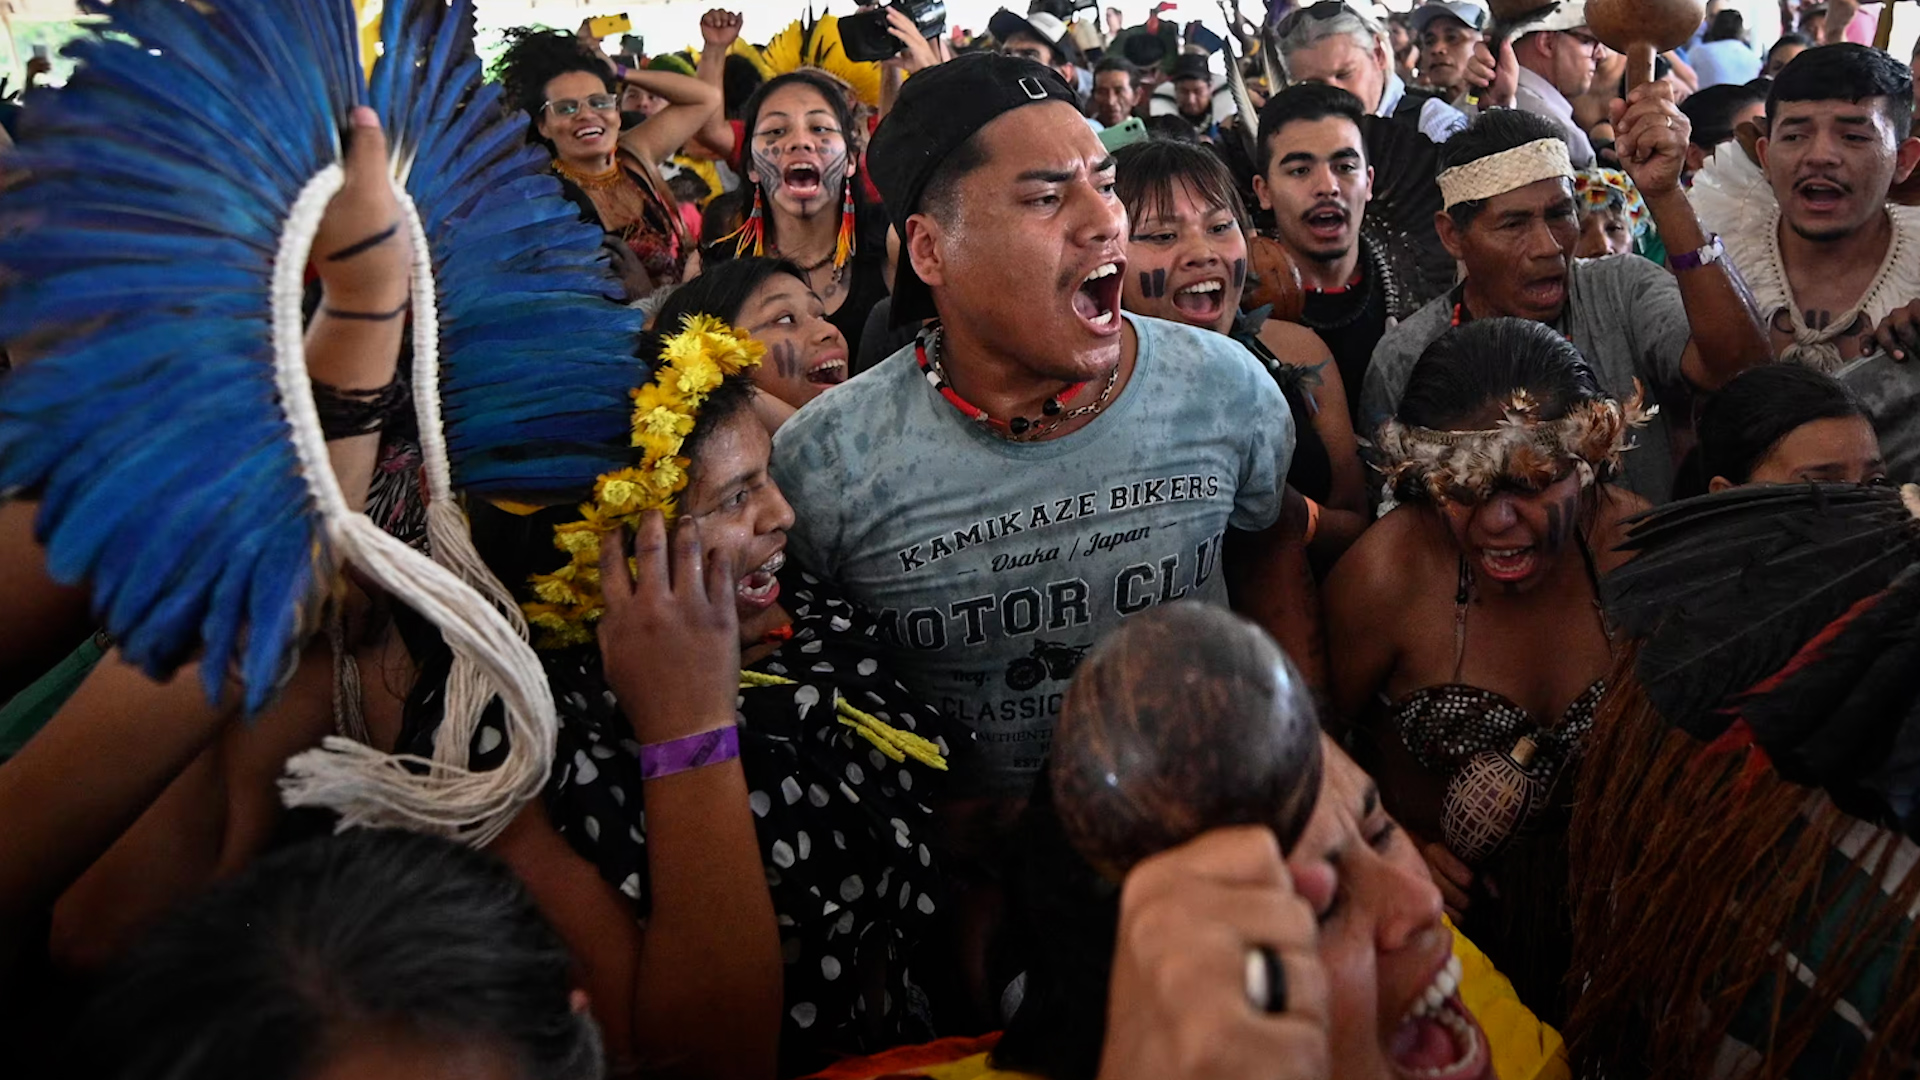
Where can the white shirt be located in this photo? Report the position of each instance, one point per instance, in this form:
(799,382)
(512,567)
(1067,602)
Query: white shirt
(1540,97)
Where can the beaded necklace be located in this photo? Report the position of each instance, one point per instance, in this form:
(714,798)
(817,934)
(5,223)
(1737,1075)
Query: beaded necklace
(1019,429)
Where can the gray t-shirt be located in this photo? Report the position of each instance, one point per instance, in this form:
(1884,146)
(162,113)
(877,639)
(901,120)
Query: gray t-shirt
(1623,313)
(992,566)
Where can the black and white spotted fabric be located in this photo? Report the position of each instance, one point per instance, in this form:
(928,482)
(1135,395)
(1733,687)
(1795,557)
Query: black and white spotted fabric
(843,830)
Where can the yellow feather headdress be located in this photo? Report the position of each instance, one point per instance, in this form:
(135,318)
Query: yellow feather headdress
(693,364)
(818,45)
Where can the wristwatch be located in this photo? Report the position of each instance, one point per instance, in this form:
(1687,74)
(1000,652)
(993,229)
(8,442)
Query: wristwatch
(1714,252)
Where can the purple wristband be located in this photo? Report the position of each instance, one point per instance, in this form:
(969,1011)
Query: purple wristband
(680,755)
(620,72)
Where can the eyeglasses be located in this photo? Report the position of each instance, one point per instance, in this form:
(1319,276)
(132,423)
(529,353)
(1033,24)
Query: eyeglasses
(1320,12)
(1586,41)
(566,108)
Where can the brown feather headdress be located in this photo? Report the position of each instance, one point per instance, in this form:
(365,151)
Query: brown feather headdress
(1466,466)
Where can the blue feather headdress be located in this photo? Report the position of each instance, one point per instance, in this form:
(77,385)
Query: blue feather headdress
(164,420)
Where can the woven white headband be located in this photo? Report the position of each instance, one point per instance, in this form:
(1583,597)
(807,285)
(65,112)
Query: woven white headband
(1508,170)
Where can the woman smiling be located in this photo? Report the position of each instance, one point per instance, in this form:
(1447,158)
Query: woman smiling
(570,95)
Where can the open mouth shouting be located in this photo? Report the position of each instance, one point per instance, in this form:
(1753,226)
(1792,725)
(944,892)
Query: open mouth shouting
(803,181)
(759,589)
(1821,194)
(1327,222)
(1097,300)
(1438,1039)
(827,370)
(1508,564)
(1201,302)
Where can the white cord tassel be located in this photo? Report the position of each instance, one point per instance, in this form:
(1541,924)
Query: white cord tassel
(362,784)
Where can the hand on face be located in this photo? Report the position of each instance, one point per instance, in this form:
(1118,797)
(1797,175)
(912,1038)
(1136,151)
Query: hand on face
(1178,1007)
(1650,135)
(670,638)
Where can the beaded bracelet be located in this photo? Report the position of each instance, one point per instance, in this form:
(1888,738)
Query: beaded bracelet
(688,753)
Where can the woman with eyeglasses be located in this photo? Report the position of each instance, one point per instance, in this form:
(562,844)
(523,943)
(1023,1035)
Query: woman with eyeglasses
(570,96)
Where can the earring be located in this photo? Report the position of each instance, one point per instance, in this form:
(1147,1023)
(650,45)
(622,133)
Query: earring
(753,233)
(843,247)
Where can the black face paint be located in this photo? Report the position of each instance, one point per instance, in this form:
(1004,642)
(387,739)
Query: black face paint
(1562,518)
(1239,273)
(786,359)
(1153,285)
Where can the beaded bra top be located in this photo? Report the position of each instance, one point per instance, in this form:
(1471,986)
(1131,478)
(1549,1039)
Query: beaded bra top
(1502,764)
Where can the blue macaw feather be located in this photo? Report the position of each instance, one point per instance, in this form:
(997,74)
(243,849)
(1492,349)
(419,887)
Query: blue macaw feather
(93,465)
(122,70)
(188,138)
(280,601)
(185,523)
(151,430)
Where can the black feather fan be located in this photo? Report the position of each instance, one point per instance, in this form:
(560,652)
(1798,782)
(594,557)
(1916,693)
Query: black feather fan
(1727,588)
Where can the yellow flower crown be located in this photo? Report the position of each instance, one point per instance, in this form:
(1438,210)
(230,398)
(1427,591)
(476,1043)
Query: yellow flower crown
(693,363)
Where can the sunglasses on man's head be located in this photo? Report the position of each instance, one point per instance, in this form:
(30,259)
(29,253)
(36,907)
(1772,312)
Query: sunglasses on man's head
(567,108)
(1320,12)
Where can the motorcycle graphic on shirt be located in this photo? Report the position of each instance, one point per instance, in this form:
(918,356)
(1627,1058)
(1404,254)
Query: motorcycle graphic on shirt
(1049,660)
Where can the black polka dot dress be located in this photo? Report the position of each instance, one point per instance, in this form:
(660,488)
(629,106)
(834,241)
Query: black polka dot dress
(843,829)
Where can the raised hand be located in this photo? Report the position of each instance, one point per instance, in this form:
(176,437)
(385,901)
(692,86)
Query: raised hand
(720,28)
(1650,135)
(919,53)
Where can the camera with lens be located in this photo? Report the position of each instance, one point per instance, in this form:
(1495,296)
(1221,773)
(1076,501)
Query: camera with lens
(865,36)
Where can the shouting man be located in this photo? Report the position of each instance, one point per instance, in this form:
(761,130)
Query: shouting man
(1316,179)
(1039,465)
(1511,220)
(1834,269)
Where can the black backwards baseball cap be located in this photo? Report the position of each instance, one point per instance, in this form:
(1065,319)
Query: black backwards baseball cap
(938,110)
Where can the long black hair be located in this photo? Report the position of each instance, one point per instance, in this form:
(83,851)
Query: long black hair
(1761,406)
(533,59)
(268,974)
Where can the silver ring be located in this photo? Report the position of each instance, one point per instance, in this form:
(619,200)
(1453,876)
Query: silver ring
(1266,980)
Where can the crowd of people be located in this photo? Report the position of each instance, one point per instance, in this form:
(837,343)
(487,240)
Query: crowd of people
(1368,547)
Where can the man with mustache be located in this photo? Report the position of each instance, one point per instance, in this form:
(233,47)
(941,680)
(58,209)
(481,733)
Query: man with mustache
(1834,268)
(1510,217)
(1315,178)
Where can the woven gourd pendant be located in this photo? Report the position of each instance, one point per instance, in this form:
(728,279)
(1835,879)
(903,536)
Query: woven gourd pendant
(1489,802)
